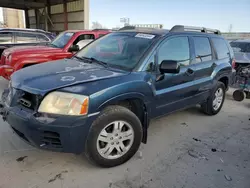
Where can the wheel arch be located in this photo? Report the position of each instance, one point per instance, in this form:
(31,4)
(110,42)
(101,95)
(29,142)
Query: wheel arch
(134,102)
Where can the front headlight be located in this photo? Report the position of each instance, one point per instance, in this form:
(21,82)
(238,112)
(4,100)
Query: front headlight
(64,104)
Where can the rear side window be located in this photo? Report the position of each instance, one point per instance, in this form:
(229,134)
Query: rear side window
(5,37)
(221,48)
(202,48)
(25,37)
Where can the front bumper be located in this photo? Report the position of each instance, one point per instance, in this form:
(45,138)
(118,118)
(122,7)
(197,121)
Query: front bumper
(6,71)
(63,134)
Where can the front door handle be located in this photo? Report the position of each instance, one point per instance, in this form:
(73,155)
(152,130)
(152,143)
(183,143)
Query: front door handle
(190,72)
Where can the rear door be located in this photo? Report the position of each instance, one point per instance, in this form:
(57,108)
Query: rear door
(205,64)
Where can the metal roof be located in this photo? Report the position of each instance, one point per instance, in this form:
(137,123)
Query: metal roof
(29,4)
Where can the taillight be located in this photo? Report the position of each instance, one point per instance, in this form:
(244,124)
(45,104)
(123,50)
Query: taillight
(233,63)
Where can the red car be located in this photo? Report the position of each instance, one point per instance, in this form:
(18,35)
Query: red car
(63,46)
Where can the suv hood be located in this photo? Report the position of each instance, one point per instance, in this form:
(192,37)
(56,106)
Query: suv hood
(31,49)
(241,57)
(42,78)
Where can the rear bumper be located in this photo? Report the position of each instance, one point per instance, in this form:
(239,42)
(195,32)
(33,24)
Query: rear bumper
(62,134)
(6,71)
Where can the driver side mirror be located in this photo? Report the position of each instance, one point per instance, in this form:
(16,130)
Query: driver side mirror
(74,48)
(169,66)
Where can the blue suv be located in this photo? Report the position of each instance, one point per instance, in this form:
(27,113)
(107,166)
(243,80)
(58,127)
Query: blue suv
(101,100)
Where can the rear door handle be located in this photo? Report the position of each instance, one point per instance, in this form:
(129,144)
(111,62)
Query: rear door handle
(190,72)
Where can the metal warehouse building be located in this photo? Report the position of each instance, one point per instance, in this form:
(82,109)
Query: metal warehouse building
(52,15)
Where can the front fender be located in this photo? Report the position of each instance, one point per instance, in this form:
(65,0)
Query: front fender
(122,97)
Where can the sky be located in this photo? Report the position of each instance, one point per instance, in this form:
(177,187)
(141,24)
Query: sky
(216,14)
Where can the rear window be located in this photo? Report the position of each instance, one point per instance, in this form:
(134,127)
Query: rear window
(203,50)
(241,47)
(221,48)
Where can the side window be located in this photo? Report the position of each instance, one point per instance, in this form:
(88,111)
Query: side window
(42,38)
(202,49)
(84,37)
(5,37)
(176,49)
(221,48)
(25,37)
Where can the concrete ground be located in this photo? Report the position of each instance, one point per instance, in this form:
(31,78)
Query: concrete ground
(185,149)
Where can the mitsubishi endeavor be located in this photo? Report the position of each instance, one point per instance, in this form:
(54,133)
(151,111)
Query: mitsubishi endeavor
(101,100)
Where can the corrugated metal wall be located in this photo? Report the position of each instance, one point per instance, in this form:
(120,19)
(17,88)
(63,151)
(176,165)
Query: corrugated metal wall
(77,16)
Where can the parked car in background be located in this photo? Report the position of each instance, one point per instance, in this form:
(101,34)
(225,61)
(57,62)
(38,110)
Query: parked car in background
(63,46)
(102,99)
(241,50)
(20,37)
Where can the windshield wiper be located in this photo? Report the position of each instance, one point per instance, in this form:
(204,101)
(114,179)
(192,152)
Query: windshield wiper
(92,59)
(79,58)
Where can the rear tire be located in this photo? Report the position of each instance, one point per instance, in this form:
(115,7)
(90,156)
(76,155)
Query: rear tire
(103,128)
(215,101)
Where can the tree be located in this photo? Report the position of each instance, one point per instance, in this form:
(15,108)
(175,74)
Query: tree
(97,25)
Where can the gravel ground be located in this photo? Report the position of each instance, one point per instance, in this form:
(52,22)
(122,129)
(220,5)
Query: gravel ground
(185,149)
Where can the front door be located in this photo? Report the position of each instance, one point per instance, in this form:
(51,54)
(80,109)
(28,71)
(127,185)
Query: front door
(174,91)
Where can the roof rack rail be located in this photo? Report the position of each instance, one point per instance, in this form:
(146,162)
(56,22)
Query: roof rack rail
(182,28)
(131,27)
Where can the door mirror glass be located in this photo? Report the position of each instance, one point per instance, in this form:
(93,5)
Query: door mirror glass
(169,66)
(74,48)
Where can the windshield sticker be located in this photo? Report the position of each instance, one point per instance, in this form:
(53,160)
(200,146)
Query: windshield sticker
(145,36)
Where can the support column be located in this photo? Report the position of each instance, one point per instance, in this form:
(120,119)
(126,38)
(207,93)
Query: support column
(27,19)
(37,18)
(86,13)
(65,13)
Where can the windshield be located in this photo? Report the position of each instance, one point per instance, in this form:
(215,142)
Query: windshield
(122,50)
(61,40)
(241,47)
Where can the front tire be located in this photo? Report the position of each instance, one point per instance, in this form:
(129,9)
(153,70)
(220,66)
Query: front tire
(114,137)
(215,101)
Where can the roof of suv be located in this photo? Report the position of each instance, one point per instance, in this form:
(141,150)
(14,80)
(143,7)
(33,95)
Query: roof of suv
(175,29)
